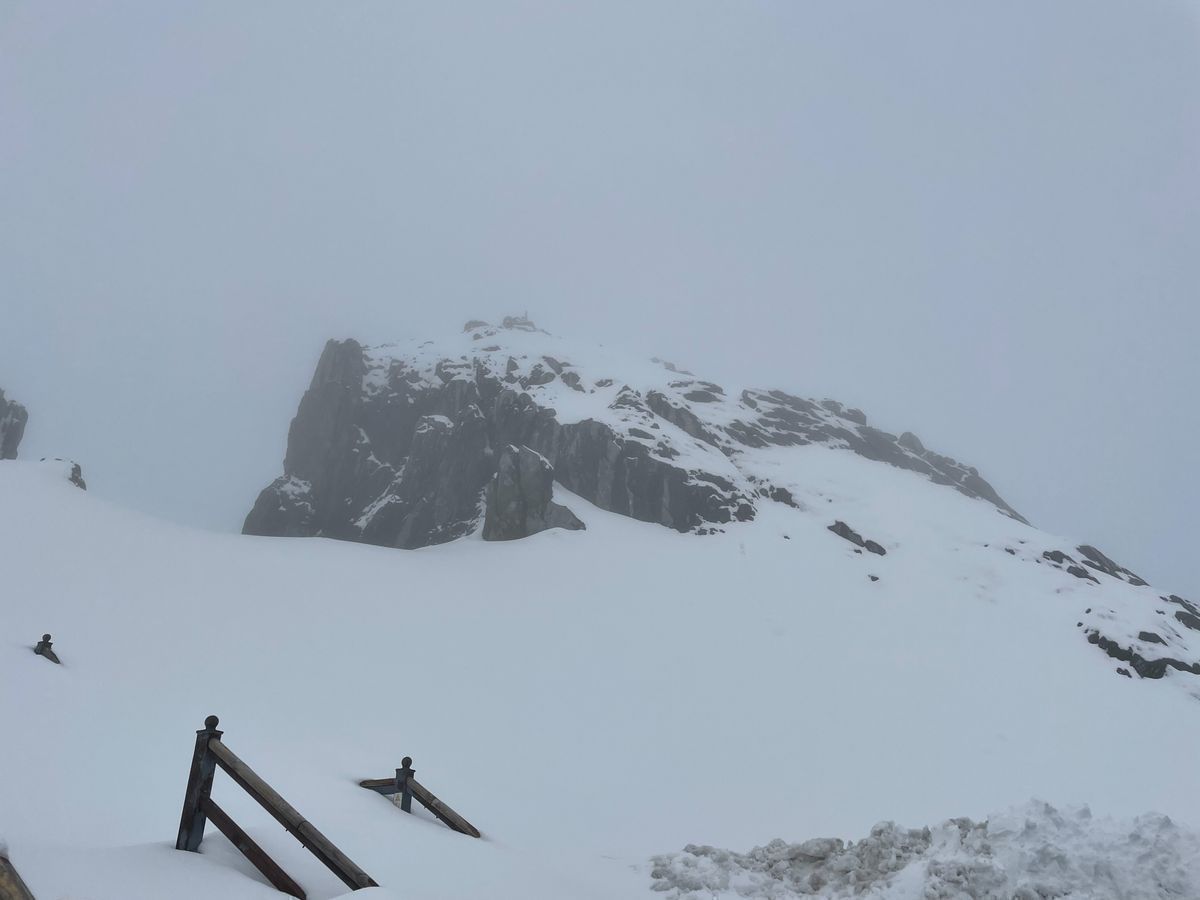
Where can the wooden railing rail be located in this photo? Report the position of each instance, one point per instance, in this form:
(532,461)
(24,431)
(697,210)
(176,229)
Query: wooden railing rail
(198,808)
(405,786)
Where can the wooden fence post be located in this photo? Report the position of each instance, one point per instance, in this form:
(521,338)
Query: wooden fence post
(403,775)
(199,787)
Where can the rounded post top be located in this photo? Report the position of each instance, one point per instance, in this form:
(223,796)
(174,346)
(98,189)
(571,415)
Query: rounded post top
(46,638)
(211,723)
(406,762)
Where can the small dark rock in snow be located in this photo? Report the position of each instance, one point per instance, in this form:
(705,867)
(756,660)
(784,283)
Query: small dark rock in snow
(842,530)
(1150,637)
(45,648)
(76,473)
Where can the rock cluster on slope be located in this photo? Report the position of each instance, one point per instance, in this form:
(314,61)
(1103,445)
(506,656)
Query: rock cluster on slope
(13,417)
(398,445)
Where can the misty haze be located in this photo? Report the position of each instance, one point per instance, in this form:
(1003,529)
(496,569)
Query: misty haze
(599,450)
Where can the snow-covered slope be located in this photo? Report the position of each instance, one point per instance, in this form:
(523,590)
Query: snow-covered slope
(589,699)
(414,444)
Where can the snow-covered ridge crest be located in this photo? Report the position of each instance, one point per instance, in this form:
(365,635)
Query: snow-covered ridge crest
(679,418)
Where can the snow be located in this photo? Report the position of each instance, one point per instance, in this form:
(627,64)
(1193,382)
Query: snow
(589,700)
(1027,853)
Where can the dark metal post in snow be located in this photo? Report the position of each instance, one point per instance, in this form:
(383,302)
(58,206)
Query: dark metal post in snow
(199,787)
(403,775)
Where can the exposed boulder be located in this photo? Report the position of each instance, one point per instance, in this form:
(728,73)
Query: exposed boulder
(284,509)
(519,497)
(13,417)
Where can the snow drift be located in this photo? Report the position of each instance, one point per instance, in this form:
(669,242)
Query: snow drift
(1031,852)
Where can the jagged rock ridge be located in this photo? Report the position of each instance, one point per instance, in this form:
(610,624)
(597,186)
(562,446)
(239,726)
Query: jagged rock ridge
(13,417)
(397,445)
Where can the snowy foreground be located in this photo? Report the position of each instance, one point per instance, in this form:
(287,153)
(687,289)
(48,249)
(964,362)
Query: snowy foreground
(594,701)
(1029,853)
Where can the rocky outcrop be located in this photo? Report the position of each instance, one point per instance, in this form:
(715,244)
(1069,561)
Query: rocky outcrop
(1147,668)
(519,498)
(398,446)
(1094,559)
(403,461)
(70,470)
(13,417)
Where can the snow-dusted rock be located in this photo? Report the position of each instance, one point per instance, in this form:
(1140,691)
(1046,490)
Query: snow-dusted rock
(68,468)
(650,441)
(13,417)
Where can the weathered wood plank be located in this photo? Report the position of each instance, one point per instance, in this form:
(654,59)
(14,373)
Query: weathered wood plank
(269,868)
(427,799)
(287,816)
(382,785)
(11,885)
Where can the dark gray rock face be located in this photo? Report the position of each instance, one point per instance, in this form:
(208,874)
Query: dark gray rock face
(406,465)
(13,417)
(399,448)
(519,498)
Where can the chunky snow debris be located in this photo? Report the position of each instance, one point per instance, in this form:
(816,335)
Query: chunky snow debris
(1029,853)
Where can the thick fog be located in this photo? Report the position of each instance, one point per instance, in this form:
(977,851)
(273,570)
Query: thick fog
(978,221)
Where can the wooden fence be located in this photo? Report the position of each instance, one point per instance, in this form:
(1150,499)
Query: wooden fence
(406,787)
(199,808)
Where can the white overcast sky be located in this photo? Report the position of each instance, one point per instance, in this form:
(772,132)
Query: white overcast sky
(977,221)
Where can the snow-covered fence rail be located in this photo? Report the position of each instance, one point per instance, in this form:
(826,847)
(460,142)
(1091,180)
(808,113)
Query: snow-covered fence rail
(11,885)
(199,808)
(407,787)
